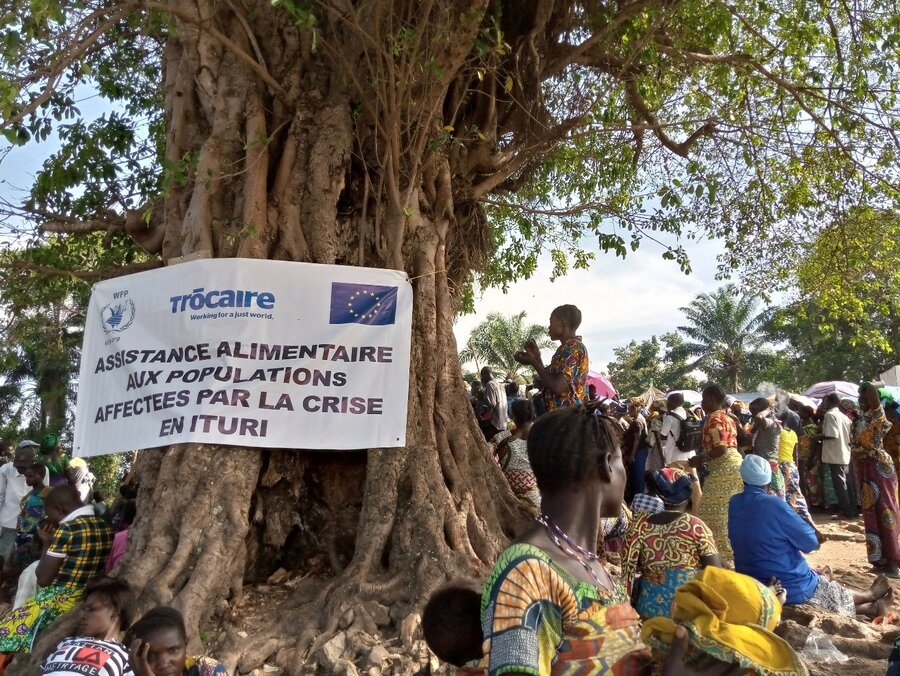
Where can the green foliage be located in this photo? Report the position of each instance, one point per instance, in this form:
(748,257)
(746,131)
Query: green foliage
(724,337)
(495,341)
(109,470)
(638,365)
(851,275)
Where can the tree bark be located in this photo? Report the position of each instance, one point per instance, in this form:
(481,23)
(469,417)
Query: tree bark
(316,172)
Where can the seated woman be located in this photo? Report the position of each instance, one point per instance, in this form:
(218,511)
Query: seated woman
(512,454)
(107,612)
(158,643)
(666,549)
(774,547)
(549,604)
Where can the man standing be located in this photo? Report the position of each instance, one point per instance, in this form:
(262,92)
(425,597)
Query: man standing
(835,439)
(12,489)
(565,380)
(495,396)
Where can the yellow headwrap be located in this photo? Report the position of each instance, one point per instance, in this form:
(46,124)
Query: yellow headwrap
(731,617)
(636,401)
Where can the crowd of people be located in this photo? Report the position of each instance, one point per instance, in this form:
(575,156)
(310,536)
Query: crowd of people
(61,545)
(708,509)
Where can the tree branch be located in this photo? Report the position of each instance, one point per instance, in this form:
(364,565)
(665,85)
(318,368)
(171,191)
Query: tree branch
(90,275)
(682,149)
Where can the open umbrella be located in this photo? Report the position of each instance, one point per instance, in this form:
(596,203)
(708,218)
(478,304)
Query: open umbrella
(841,387)
(803,401)
(690,396)
(604,387)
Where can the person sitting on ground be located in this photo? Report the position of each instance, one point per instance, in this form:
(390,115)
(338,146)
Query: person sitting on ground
(565,380)
(120,540)
(158,643)
(78,545)
(512,454)
(107,612)
(774,547)
(549,602)
(666,549)
(451,623)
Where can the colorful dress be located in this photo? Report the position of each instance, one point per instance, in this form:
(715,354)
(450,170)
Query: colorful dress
(809,457)
(83,542)
(792,494)
(878,486)
(667,556)
(512,454)
(204,666)
(724,478)
(571,361)
(537,619)
(31,513)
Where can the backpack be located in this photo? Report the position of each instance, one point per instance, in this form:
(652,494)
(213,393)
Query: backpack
(690,434)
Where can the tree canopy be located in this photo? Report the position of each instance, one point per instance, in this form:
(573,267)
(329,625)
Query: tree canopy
(638,365)
(451,140)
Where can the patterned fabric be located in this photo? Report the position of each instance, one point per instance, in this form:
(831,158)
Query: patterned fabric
(666,556)
(513,457)
(539,620)
(571,361)
(730,617)
(878,486)
(647,504)
(792,493)
(777,485)
(891,441)
(834,597)
(85,656)
(85,542)
(204,666)
(723,482)
(20,626)
(719,430)
(810,465)
(30,516)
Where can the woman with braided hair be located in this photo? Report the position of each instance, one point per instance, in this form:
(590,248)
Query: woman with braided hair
(549,605)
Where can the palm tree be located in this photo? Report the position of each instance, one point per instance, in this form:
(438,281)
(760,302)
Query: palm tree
(495,340)
(724,334)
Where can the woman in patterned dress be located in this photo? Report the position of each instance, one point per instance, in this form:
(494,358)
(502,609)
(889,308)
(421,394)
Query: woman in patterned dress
(666,549)
(724,480)
(878,482)
(549,605)
(512,454)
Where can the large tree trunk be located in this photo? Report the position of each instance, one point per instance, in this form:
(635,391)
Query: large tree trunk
(303,167)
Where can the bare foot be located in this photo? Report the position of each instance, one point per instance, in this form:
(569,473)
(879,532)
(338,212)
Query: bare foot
(880,587)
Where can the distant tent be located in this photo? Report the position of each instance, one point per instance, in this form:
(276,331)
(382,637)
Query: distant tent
(652,395)
(891,377)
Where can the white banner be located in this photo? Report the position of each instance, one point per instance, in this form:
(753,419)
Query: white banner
(248,353)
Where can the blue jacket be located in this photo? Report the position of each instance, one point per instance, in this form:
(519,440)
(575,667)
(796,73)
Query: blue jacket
(767,537)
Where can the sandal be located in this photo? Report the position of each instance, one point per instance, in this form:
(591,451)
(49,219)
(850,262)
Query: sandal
(890,618)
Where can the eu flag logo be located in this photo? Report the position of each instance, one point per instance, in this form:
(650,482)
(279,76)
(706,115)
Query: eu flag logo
(363,304)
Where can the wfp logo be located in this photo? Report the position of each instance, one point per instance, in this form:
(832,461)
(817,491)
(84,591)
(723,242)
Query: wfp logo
(118,315)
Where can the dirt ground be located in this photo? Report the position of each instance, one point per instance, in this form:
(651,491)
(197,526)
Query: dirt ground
(866,645)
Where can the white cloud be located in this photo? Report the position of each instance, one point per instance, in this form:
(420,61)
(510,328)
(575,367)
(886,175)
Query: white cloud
(620,300)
